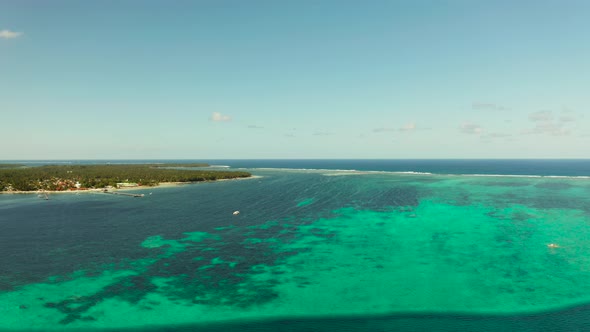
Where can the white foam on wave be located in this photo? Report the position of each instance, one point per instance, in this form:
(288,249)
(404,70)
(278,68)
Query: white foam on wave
(378,172)
(299,169)
(413,172)
(526,176)
(342,172)
(568,177)
(504,175)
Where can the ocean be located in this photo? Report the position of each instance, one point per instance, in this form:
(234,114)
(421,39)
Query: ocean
(318,245)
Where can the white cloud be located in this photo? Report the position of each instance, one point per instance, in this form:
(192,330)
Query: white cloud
(218,117)
(545,123)
(322,133)
(567,118)
(408,127)
(568,115)
(471,128)
(497,135)
(488,107)
(549,128)
(7,34)
(541,116)
(383,130)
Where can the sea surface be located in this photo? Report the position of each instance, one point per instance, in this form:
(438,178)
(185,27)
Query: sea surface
(318,245)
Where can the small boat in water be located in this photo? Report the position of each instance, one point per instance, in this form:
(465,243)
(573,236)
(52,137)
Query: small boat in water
(236,213)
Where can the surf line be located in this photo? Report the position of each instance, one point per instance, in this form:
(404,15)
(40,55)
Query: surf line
(123,194)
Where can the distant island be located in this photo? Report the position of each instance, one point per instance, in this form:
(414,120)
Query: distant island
(19,178)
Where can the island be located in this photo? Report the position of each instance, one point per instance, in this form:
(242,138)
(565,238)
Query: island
(11,165)
(63,178)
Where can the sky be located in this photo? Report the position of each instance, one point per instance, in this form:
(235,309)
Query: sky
(214,79)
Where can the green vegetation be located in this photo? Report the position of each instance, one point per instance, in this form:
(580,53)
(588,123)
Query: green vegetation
(11,165)
(100,176)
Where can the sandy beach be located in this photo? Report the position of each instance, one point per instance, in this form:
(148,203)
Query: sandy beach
(100,190)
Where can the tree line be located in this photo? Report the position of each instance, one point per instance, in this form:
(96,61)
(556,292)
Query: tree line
(65,177)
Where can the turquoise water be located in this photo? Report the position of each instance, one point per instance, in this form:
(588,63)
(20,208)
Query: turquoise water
(310,249)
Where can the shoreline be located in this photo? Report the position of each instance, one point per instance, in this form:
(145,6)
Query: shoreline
(102,190)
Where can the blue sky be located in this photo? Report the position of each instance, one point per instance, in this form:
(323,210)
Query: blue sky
(294,79)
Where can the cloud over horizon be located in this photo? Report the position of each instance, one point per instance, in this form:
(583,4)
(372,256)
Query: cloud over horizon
(568,115)
(471,128)
(549,128)
(8,34)
(383,130)
(545,124)
(408,127)
(541,116)
(218,117)
(494,135)
(322,133)
(488,107)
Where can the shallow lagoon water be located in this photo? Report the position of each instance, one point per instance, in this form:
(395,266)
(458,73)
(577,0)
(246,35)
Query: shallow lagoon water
(358,251)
